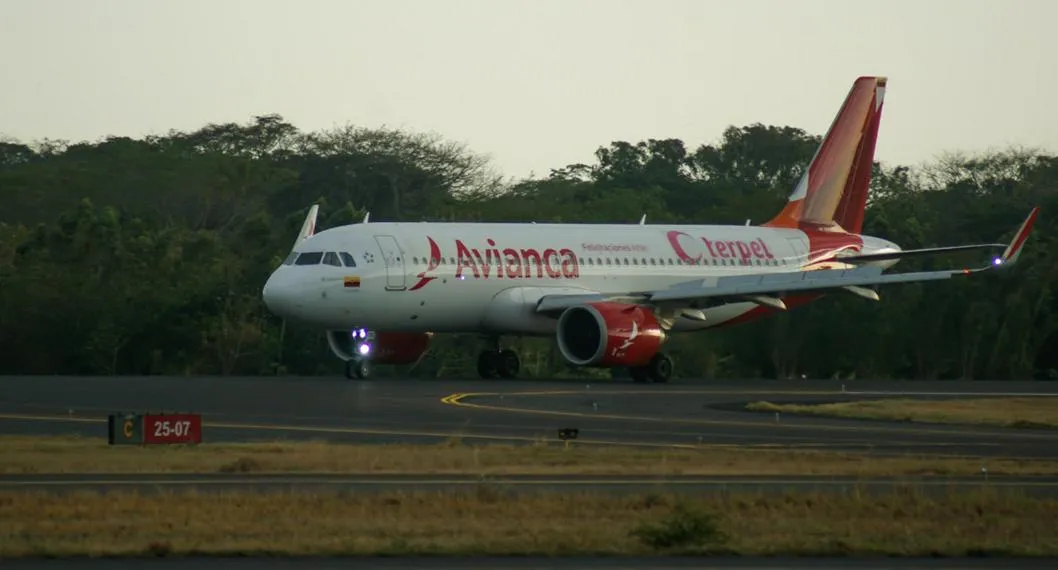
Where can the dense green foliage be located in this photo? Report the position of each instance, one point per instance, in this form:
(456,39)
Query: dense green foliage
(148,256)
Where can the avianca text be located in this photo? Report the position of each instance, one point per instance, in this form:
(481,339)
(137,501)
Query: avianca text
(522,263)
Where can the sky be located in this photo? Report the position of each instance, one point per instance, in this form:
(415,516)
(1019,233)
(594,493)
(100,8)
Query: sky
(534,84)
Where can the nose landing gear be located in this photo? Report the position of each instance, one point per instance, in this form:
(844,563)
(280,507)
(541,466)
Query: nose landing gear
(357,369)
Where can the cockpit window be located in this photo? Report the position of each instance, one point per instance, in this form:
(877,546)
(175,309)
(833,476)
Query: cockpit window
(347,259)
(331,258)
(290,258)
(309,258)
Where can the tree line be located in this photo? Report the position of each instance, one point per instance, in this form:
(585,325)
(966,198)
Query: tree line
(147,256)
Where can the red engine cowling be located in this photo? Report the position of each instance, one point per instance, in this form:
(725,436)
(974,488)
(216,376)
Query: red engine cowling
(381,348)
(609,334)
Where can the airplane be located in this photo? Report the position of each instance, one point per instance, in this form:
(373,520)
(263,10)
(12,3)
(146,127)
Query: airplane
(609,294)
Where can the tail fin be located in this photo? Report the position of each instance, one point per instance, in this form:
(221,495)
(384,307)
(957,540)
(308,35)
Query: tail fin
(832,193)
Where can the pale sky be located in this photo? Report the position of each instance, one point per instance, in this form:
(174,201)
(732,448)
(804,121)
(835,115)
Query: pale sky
(535,84)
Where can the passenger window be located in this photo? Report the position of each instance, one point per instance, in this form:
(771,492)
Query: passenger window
(331,258)
(290,258)
(309,258)
(347,259)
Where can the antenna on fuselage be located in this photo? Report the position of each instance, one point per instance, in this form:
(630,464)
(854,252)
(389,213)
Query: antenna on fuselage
(367,216)
(643,220)
(747,221)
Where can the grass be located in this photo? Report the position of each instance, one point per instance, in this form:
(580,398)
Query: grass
(486,521)
(1025,413)
(73,454)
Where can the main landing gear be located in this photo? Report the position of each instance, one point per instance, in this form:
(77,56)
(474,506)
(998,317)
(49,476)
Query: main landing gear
(658,370)
(498,363)
(357,369)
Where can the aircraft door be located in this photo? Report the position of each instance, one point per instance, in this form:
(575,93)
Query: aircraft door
(393,257)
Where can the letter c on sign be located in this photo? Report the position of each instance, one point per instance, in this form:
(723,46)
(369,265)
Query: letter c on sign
(128,429)
(674,241)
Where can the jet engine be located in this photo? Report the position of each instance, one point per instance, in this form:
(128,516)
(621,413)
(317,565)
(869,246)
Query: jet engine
(379,347)
(609,335)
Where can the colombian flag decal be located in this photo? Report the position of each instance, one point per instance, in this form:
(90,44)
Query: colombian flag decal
(352,281)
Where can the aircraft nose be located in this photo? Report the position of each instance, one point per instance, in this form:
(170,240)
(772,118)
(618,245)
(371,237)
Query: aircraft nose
(280,296)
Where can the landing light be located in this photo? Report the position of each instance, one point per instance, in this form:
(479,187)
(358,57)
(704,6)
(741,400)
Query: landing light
(364,349)
(997,261)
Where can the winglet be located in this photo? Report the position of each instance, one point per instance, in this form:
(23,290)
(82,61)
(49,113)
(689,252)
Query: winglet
(309,226)
(1010,255)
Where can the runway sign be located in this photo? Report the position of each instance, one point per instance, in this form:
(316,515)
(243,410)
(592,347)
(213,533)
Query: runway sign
(124,429)
(153,429)
(566,434)
(172,428)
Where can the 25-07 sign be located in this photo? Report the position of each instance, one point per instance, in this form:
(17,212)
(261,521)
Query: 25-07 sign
(172,428)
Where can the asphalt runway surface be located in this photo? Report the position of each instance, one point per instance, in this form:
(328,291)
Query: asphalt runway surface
(678,414)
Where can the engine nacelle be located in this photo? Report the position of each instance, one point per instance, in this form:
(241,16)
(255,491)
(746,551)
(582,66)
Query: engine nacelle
(379,347)
(609,334)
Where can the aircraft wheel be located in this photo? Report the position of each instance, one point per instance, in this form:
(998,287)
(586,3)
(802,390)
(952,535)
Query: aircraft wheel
(488,363)
(507,363)
(659,369)
(357,369)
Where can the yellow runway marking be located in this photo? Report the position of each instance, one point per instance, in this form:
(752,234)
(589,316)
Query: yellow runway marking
(457,400)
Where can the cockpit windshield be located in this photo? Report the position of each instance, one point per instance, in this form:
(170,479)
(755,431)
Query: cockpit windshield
(333,258)
(309,258)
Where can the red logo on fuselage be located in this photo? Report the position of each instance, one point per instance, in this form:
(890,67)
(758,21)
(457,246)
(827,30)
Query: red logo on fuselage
(433,263)
(490,263)
(742,250)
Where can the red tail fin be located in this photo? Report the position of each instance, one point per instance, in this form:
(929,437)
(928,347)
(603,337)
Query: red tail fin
(832,194)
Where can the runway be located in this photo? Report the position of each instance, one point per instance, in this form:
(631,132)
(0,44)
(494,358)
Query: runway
(679,414)
(1037,486)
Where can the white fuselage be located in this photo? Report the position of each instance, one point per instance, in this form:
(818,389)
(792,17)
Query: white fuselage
(486,277)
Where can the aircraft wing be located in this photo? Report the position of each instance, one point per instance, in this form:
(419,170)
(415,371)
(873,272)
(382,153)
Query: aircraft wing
(868,257)
(768,287)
